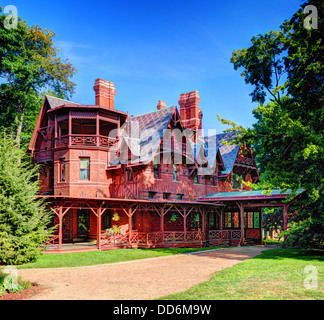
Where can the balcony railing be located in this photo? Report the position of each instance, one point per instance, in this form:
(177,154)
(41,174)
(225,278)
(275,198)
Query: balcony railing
(245,161)
(84,140)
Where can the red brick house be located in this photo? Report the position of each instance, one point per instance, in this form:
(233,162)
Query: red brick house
(144,181)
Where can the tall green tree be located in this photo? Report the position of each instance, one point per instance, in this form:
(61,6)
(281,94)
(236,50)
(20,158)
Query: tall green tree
(285,67)
(29,65)
(24,219)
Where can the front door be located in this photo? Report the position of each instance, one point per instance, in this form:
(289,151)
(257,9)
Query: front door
(83,223)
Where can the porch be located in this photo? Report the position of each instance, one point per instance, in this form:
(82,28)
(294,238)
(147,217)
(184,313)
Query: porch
(126,223)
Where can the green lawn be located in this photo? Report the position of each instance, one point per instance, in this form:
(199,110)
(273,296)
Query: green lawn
(275,274)
(77,259)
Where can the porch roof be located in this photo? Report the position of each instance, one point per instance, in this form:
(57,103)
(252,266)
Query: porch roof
(150,201)
(251,195)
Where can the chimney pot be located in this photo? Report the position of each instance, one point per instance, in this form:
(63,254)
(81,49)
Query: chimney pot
(161,105)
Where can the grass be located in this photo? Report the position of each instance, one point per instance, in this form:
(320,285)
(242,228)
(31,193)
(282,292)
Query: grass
(276,274)
(273,241)
(78,259)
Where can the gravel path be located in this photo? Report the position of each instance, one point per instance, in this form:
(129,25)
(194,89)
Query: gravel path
(142,279)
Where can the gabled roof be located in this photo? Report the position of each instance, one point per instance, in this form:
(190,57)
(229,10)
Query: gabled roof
(206,149)
(57,102)
(228,152)
(149,129)
(48,103)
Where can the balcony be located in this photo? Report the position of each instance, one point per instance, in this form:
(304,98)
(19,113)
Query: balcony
(244,161)
(84,140)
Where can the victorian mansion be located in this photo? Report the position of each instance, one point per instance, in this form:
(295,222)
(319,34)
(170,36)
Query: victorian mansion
(111,179)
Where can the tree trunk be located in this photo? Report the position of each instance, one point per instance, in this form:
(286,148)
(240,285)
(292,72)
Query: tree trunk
(19,127)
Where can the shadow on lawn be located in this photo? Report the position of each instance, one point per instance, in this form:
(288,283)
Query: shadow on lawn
(300,254)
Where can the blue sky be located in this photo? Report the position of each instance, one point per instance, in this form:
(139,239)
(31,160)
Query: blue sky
(156,50)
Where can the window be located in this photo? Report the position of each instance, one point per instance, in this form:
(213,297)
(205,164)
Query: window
(84,168)
(156,170)
(130,174)
(175,169)
(166,196)
(211,221)
(237,181)
(151,194)
(256,220)
(179,196)
(231,220)
(107,221)
(51,177)
(62,169)
(252,220)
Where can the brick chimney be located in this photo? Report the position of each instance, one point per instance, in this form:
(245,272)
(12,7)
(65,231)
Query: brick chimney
(161,105)
(190,113)
(105,93)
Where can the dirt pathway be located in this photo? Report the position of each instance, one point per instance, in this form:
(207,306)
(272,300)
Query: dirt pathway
(145,280)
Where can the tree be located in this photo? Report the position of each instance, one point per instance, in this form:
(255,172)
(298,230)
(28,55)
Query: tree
(29,65)
(23,217)
(286,71)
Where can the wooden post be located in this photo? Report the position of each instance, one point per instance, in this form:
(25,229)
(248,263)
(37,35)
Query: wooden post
(55,131)
(162,223)
(185,224)
(97,129)
(221,220)
(60,216)
(99,227)
(203,226)
(70,127)
(130,215)
(242,221)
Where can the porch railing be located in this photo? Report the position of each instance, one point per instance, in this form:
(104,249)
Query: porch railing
(224,237)
(51,243)
(152,238)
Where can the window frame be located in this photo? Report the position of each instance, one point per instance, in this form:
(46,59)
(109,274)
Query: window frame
(156,171)
(62,169)
(175,172)
(87,169)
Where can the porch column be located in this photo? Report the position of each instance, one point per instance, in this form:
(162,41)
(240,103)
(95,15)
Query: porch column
(162,223)
(70,127)
(242,221)
(55,131)
(60,216)
(97,129)
(221,219)
(99,226)
(203,227)
(162,220)
(130,216)
(185,223)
